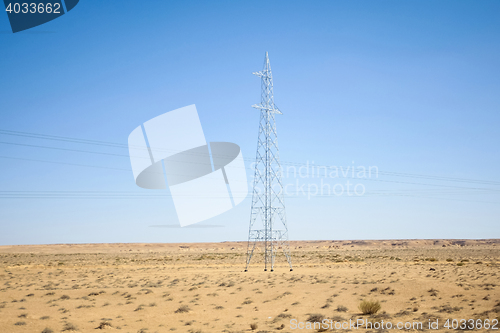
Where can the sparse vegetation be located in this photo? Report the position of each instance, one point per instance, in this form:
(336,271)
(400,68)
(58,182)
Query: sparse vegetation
(183,309)
(433,292)
(369,307)
(103,325)
(315,317)
(214,296)
(69,327)
(342,308)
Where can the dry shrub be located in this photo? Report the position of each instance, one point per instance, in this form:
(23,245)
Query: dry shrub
(369,307)
(253,326)
(69,327)
(103,325)
(341,308)
(284,315)
(182,309)
(315,318)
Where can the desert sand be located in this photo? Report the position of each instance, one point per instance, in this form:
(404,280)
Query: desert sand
(202,287)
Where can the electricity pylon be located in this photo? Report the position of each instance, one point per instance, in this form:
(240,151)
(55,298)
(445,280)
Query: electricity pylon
(268,205)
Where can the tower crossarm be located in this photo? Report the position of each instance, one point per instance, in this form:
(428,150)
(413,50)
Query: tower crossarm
(273,109)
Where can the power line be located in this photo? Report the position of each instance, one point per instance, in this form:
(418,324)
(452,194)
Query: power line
(297,164)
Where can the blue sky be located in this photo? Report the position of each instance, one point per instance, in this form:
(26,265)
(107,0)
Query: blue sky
(409,87)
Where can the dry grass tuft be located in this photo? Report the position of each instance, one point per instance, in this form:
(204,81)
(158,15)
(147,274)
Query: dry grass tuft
(369,307)
(342,308)
(103,325)
(183,309)
(69,327)
(315,318)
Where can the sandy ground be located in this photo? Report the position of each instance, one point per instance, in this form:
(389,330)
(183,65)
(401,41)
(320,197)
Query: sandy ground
(203,287)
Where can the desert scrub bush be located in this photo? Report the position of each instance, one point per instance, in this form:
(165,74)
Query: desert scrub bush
(337,318)
(20,323)
(315,318)
(449,260)
(183,309)
(103,325)
(460,264)
(47,330)
(228,284)
(342,308)
(69,327)
(369,307)
(253,326)
(63,297)
(139,308)
(284,315)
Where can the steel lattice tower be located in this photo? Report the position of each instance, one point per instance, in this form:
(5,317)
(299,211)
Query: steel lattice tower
(268,205)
